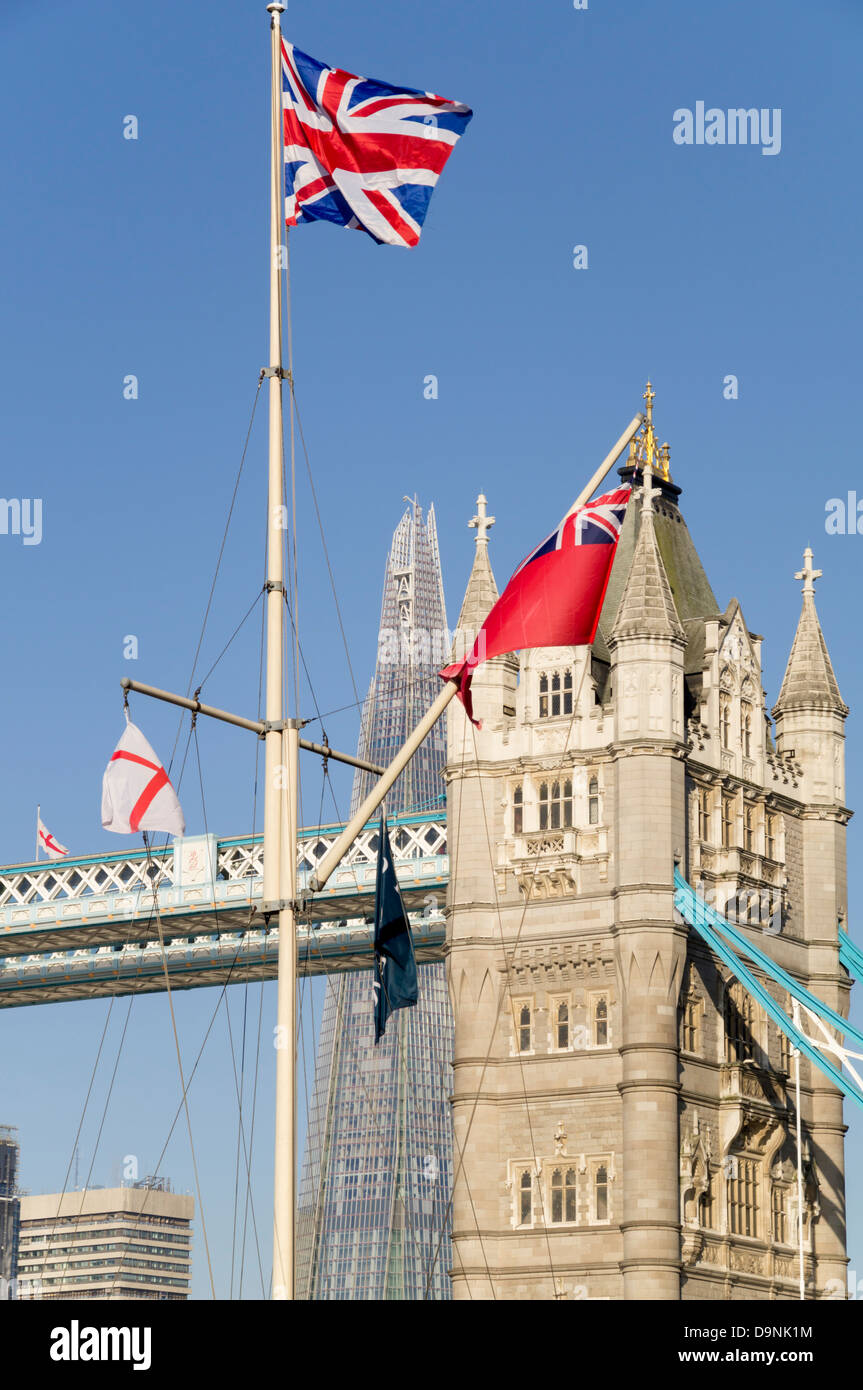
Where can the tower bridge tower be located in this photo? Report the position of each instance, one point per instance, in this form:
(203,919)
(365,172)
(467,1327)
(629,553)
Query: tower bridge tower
(623,1120)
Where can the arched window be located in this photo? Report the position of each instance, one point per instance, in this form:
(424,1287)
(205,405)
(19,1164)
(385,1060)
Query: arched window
(746,728)
(561,1024)
(567,692)
(739,1024)
(727,822)
(600,1188)
(517,810)
(555,806)
(555,694)
(780,1214)
(524,1028)
(725,719)
(770,836)
(563,1195)
(543,696)
(567,803)
(704,815)
(525,1199)
(593,801)
(743,1197)
(543,805)
(749,828)
(600,1022)
(690,1039)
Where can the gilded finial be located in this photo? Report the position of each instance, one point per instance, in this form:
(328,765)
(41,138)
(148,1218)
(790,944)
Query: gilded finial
(647,453)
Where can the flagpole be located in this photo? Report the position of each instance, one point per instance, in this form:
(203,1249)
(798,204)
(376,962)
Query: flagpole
(38,818)
(279,891)
(434,712)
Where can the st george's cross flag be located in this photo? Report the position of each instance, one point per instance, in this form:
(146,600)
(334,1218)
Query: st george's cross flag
(554,599)
(47,843)
(362,153)
(136,792)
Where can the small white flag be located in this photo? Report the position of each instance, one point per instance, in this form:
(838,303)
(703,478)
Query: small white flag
(52,847)
(136,792)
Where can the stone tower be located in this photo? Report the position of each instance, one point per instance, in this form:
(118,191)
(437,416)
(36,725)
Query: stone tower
(623,1122)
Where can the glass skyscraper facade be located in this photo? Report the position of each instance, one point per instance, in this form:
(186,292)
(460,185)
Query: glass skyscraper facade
(10,1211)
(377,1173)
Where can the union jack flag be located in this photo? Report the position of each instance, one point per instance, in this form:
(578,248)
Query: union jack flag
(361,153)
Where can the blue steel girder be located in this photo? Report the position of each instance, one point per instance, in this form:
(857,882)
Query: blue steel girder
(85,927)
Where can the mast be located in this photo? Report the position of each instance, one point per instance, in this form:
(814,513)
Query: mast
(281,740)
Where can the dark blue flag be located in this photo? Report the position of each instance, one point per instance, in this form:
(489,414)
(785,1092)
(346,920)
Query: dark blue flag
(395,985)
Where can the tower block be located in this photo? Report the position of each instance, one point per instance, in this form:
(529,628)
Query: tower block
(623,1112)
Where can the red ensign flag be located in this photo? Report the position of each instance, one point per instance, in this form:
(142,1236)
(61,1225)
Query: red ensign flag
(555,596)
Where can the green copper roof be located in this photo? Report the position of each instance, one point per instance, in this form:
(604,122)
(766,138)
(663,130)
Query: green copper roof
(690,588)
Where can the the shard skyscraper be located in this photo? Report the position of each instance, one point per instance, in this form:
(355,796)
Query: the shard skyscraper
(377,1174)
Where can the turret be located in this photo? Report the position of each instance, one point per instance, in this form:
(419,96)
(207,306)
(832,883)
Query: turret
(494,682)
(810,713)
(810,730)
(647,646)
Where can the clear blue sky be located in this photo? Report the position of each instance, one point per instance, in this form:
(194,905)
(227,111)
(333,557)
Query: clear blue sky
(149,257)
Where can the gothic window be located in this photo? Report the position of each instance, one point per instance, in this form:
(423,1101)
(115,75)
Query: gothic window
(563,1195)
(727,822)
(523,1027)
(704,815)
(600,1021)
(690,1039)
(517,810)
(525,1199)
(600,1190)
(743,1197)
(555,694)
(749,828)
(725,719)
(561,1024)
(739,1025)
(593,800)
(567,692)
(770,836)
(746,728)
(780,1214)
(555,805)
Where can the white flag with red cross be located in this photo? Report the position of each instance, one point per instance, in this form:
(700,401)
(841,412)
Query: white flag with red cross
(136,792)
(47,843)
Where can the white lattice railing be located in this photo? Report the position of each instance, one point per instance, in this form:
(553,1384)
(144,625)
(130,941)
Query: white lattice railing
(201,873)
